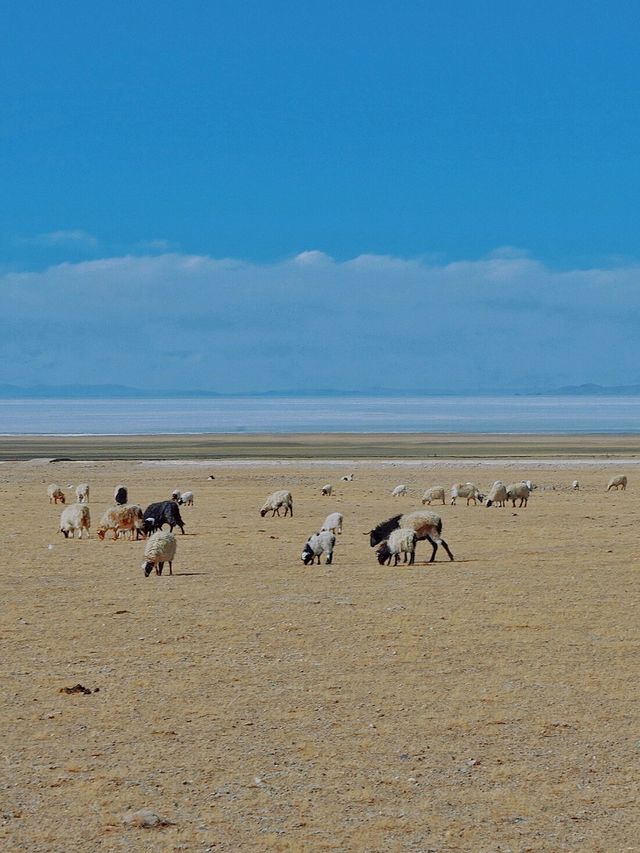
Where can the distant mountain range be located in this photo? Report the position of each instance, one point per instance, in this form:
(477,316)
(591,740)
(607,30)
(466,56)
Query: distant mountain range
(124,392)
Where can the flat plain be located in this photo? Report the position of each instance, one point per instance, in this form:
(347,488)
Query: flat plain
(486,704)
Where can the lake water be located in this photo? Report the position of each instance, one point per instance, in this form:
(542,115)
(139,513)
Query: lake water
(322,414)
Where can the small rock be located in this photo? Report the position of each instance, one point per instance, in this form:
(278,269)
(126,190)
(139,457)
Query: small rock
(145,819)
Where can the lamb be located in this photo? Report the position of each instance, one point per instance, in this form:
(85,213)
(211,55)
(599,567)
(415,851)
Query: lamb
(121,518)
(619,482)
(333,522)
(160,549)
(75,517)
(82,493)
(186,499)
(348,478)
(276,500)
(497,494)
(427,525)
(436,493)
(327,489)
(400,541)
(55,494)
(466,490)
(160,513)
(121,495)
(399,491)
(318,543)
(575,485)
(518,490)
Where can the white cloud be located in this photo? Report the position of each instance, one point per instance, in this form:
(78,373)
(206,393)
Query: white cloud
(193,321)
(64,239)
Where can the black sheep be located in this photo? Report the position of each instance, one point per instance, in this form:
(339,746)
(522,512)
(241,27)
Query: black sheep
(162,512)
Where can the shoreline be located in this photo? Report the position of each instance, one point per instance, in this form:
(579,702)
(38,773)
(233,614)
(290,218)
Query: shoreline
(340,447)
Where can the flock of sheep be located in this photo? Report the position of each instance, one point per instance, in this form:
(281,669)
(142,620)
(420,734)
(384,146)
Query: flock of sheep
(398,535)
(394,537)
(160,545)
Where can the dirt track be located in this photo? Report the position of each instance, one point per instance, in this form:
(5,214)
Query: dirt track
(486,704)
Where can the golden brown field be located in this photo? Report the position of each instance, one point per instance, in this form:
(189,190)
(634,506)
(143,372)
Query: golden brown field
(486,704)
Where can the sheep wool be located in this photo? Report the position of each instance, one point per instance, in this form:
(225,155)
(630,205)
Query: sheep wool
(160,549)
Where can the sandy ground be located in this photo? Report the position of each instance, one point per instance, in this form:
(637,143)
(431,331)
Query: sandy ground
(486,704)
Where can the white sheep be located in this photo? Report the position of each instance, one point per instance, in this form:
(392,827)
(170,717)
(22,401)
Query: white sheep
(517,491)
(119,518)
(401,541)
(317,544)
(55,494)
(466,490)
(348,478)
(617,482)
(399,491)
(75,517)
(159,549)
(175,495)
(575,485)
(436,493)
(82,493)
(333,522)
(275,501)
(327,489)
(530,485)
(497,494)
(186,498)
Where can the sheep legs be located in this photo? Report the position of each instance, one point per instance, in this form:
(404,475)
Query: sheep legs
(435,542)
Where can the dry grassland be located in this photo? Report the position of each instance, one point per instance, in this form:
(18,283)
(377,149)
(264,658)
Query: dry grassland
(489,704)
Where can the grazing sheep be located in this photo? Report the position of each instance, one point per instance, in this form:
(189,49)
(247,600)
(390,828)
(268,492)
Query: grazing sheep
(55,494)
(327,489)
(160,549)
(121,495)
(434,494)
(348,478)
(75,517)
(518,490)
(121,518)
(318,543)
(333,522)
(399,491)
(400,541)
(186,499)
(82,493)
(160,513)
(466,490)
(618,482)
(575,485)
(426,524)
(497,494)
(275,501)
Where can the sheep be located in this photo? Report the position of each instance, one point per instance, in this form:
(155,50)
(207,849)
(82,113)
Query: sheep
(618,482)
(348,478)
(160,513)
(436,493)
(466,490)
(120,518)
(275,501)
(427,524)
(318,543)
(55,494)
(530,485)
(575,485)
(82,493)
(121,495)
(518,490)
(175,495)
(399,491)
(497,494)
(186,499)
(159,549)
(333,522)
(327,489)
(403,540)
(75,517)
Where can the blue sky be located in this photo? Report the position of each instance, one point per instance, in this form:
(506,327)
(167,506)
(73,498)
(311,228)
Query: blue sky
(150,143)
